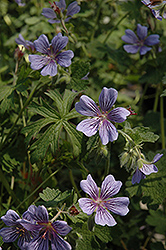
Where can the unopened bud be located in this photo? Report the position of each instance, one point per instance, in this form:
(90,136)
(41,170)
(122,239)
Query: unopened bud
(18,54)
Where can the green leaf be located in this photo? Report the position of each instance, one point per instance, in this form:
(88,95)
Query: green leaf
(158,220)
(72,114)
(57,98)
(103,233)
(49,194)
(32,20)
(5,91)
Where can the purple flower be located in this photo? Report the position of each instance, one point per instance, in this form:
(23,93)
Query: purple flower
(101,202)
(157,8)
(59,7)
(145,169)
(15,230)
(101,120)
(52,54)
(27,44)
(47,230)
(19,2)
(139,42)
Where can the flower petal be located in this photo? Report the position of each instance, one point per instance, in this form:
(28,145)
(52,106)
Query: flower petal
(37,61)
(144,50)
(73,8)
(49,69)
(61,227)
(57,243)
(61,4)
(103,217)
(142,31)
(107,132)
(89,126)
(39,243)
(86,106)
(64,58)
(137,176)
(49,13)
(87,205)
(152,40)
(157,158)
(9,234)
(131,48)
(130,37)
(107,98)
(24,240)
(21,41)
(42,45)
(10,218)
(89,186)
(109,187)
(59,42)
(148,169)
(118,205)
(118,115)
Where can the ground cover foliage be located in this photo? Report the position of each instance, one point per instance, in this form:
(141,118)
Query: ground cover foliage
(82,106)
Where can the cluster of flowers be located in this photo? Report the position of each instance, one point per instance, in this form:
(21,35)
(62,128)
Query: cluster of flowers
(35,230)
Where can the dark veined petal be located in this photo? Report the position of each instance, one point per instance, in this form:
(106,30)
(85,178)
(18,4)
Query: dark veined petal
(24,240)
(49,69)
(42,214)
(157,15)
(130,37)
(9,234)
(30,213)
(103,217)
(61,4)
(39,243)
(73,8)
(142,31)
(157,158)
(30,225)
(137,176)
(86,106)
(107,98)
(49,13)
(89,126)
(144,50)
(118,205)
(42,45)
(10,218)
(64,58)
(61,227)
(149,169)
(118,115)
(37,61)
(57,243)
(89,186)
(109,187)
(59,42)
(107,132)
(152,40)
(131,48)
(87,205)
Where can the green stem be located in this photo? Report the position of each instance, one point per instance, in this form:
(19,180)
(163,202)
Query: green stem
(59,212)
(156,99)
(73,183)
(96,21)
(143,95)
(38,187)
(111,30)
(162,118)
(107,169)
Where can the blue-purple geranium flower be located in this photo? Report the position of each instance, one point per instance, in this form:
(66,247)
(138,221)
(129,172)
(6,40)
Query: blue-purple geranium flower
(27,44)
(15,230)
(145,168)
(47,230)
(103,120)
(59,9)
(158,8)
(101,200)
(19,2)
(141,42)
(52,54)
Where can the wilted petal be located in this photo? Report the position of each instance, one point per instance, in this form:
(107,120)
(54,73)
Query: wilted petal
(137,176)
(118,115)
(148,169)
(59,42)
(73,8)
(61,227)
(103,217)
(131,48)
(130,37)
(144,50)
(89,186)
(39,243)
(109,187)
(118,205)
(50,69)
(57,243)
(9,234)
(88,206)
(64,58)
(157,158)
(37,61)
(86,106)
(142,31)
(89,126)
(42,45)
(49,13)
(107,98)
(107,132)
(152,40)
